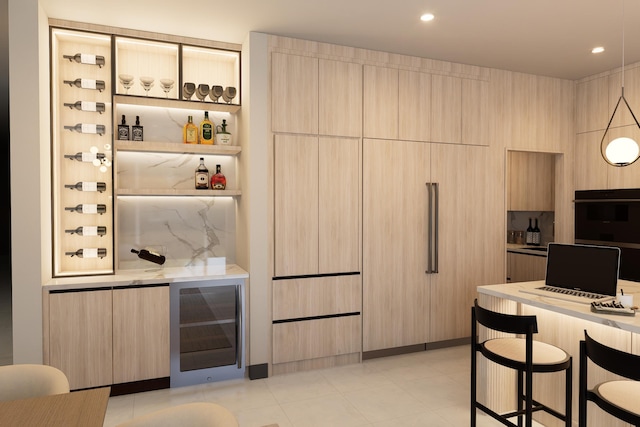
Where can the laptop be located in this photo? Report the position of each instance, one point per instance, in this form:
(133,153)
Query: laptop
(580,273)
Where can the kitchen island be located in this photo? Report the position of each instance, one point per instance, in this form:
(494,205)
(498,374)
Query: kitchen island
(561,323)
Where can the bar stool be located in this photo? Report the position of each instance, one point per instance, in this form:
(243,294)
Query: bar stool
(524,355)
(619,398)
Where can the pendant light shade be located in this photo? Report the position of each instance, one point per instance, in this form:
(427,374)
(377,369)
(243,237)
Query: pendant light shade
(621,151)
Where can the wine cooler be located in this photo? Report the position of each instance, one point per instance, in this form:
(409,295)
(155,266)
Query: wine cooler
(207,331)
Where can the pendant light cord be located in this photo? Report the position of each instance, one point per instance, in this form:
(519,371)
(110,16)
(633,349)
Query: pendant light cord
(622,47)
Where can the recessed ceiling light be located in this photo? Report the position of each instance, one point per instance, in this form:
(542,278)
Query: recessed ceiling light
(598,49)
(427,17)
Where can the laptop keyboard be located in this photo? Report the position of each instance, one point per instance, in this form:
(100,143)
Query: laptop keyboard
(568,294)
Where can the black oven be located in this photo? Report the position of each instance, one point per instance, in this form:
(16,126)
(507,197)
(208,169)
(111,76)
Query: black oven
(611,218)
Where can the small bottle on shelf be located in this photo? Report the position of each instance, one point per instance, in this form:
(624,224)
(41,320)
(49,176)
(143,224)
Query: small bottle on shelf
(86,58)
(88,253)
(123,130)
(202,176)
(87,186)
(206,134)
(536,234)
(529,238)
(88,230)
(87,84)
(87,106)
(190,132)
(149,256)
(87,128)
(224,137)
(137,131)
(218,180)
(88,208)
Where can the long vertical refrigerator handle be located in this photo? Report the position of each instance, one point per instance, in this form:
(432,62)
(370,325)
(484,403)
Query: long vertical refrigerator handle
(436,195)
(240,332)
(429,227)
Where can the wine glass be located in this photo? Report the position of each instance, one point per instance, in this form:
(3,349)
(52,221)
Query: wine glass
(127,81)
(215,93)
(147,83)
(188,89)
(202,91)
(228,94)
(167,85)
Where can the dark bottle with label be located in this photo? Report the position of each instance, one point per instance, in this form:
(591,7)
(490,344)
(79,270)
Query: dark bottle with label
(136,131)
(86,106)
(150,256)
(536,234)
(85,157)
(123,130)
(87,84)
(86,58)
(529,238)
(88,253)
(218,181)
(202,176)
(88,186)
(88,230)
(88,208)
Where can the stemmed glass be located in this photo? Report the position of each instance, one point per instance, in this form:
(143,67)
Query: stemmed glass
(127,81)
(167,85)
(202,92)
(188,89)
(228,94)
(147,83)
(215,93)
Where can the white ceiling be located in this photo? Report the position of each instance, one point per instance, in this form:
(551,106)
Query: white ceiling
(544,37)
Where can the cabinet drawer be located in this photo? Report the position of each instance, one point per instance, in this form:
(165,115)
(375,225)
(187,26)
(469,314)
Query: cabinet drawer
(316,296)
(293,341)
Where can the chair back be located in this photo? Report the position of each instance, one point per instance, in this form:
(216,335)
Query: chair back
(25,381)
(508,323)
(611,359)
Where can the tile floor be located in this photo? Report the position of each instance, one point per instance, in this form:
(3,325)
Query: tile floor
(427,389)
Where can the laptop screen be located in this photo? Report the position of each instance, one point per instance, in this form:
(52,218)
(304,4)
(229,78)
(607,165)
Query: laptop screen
(583,267)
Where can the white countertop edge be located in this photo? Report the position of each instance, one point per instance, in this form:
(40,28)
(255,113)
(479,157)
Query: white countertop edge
(150,276)
(511,291)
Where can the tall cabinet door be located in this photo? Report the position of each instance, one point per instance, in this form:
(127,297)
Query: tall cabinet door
(395,285)
(462,256)
(296,205)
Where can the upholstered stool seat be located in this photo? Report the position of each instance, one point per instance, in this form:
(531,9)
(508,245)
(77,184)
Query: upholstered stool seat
(624,394)
(515,350)
(23,381)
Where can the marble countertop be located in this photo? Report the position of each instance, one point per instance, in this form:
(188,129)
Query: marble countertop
(513,292)
(149,276)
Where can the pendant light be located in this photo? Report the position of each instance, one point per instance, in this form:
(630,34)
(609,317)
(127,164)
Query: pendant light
(621,151)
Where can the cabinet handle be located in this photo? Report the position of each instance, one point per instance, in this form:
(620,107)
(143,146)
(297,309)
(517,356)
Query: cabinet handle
(429,228)
(239,333)
(436,195)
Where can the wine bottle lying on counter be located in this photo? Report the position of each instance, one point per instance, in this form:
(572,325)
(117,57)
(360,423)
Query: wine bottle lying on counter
(88,230)
(149,256)
(85,157)
(87,84)
(86,58)
(87,106)
(87,128)
(88,253)
(87,186)
(88,208)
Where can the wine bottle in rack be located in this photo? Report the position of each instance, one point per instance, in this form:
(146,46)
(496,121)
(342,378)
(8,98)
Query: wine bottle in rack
(88,230)
(88,253)
(87,84)
(87,186)
(85,157)
(88,208)
(86,106)
(86,58)
(149,256)
(87,128)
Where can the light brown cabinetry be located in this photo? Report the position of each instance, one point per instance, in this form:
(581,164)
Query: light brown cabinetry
(340,98)
(446,109)
(531,182)
(380,99)
(592,111)
(525,268)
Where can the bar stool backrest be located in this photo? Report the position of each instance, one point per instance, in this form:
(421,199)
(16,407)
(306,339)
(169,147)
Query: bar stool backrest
(611,359)
(508,323)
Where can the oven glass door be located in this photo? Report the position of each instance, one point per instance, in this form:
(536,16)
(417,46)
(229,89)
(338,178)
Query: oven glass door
(607,221)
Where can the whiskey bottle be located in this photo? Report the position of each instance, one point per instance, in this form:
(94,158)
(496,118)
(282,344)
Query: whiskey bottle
(88,208)
(190,132)
(202,176)
(224,137)
(218,181)
(88,230)
(87,186)
(87,128)
(87,84)
(205,133)
(85,157)
(123,130)
(87,106)
(89,253)
(149,256)
(137,130)
(86,58)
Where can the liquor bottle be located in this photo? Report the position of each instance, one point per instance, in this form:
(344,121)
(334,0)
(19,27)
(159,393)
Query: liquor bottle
(218,181)
(149,256)
(224,137)
(202,176)
(136,131)
(86,58)
(190,132)
(89,253)
(87,106)
(123,130)
(536,234)
(529,238)
(87,186)
(205,133)
(88,208)
(87,84)
(85,157)
(88,230)
(87,128)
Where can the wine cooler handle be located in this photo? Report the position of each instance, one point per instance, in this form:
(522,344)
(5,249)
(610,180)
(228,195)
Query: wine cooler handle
(240,334)
(429,228)
(436,188)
